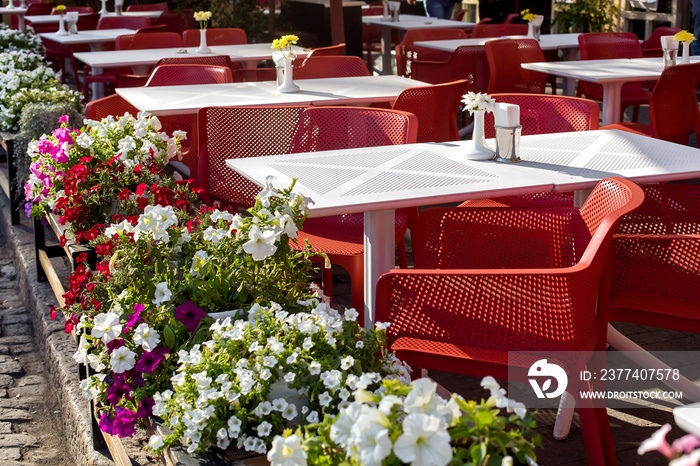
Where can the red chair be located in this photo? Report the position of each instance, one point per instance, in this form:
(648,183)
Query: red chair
(113,105)
(509,280)
(656,269)
(123,22)
(542,114)
(171,21)
(498,30)
(82,10)
(511,18)
(149,7)
(606,45)
(158,28)
(332,66)
(215,36)
(33,9)
(673,107)
(467,62)
(435,108)
(331,50)
(372,35)
(59,54)
(341,238)
(406,51)
(652,46)
(243,75)
(506,75)
(136,80)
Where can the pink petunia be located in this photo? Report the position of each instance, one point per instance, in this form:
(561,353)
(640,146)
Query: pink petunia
(657,442)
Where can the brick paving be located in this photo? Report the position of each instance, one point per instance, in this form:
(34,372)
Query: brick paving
(31,430)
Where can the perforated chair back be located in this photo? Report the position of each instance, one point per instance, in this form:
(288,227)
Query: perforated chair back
(331,50)
(545,114)
(215,36)
(214,60)
(113,105)
(172,21)
(505,57)
(149,40)
(88,21)
(150,7)
(330,128)
(651,47)
(435,108)
(467,62)
(338,66)
(239,132)
(33,9)
(406,51)
(511,18)
(673,108)
(243,75)
(125,22)
(605,45)
(174,75)
(498,30)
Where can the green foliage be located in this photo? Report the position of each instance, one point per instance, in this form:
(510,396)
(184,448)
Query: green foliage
(586,16)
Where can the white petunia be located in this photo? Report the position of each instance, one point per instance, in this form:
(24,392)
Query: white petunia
(261,244)
(264,429)
(324,399)
(155,442)
(147,337)
(347,362)
(122,359)
(424,441)
(162,293)
(287,452)
(106,327)
(351,314)
(289,377)
(289,412)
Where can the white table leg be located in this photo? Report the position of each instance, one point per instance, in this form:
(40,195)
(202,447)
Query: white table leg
(97,88)
(379,255)
(612,93)
(646,360)
(386,50)
(569,84)
(20,22)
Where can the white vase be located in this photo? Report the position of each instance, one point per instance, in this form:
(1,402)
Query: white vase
(103,10)
(686,53)
(385,17)
(203,42)
(479,150)
(61,27)
(23,3)
(288,85)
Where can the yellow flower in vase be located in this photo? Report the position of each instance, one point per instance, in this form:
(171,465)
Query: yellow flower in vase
(527,16)
(202,17)
(684,36)
(284,45)
(61,9)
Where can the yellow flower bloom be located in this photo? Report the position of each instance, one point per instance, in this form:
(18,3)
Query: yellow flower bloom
(202,15)
(60,7)
(284,42)
(527,16)
(684,36)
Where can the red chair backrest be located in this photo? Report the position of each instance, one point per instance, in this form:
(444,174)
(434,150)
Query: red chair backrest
(331,50)
(467,62)
(338,66)
(79,9)
(126,22)
(506,74)
(88,22)
(406,51)
(511,18)
(239,132)
(113,105)
(244,75)
(215,36)
(435,108)
(544,114)
(652,46)
(150,7)
(673,108)
(498,30)
(33,9)
(216,60)
(330,128)
(175,75)
(171,21)
(148,40)
(604,45)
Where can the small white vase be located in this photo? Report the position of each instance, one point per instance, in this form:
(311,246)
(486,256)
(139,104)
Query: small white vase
(203,42)
(686,53)
(479,150)
(288,85)
(103,10)
(385,17)
(23,3)
(61,27)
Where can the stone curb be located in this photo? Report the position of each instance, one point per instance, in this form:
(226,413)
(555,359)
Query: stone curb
(55,346)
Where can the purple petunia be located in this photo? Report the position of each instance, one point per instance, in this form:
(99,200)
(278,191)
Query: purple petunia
(117,391)
(145,407)
(189,314)
(124,422)
(134,318)
(106,424)
(114,344)
(150,360)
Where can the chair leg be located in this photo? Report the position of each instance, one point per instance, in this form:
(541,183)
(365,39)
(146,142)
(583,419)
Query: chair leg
(327,281)
(565,414)
(591,436)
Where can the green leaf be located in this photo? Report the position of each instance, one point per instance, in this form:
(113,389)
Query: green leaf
(169,337)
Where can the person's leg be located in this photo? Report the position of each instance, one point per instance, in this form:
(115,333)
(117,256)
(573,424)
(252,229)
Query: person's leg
(435,8)
(695,10)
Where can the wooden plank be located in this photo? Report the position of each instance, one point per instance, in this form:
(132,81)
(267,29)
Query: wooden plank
(116,449)
(5,183)
(52,277)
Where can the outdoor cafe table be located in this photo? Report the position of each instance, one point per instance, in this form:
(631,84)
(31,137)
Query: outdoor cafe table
(405,23)
(611,74)
(378,180)
(95,38)
(17,11)
(53,19)
(167,100)
(567,43)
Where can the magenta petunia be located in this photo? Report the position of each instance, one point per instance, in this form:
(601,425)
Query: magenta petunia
(63,120)
(134,318)
(63,135)
(145,407)
(106,424)
(149,361)
(116,392)
(124,422)
(189,314)
(114,344)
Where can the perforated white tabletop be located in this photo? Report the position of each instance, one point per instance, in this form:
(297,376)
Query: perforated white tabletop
(165,100)
(547,42)
(98,36)
(380,179)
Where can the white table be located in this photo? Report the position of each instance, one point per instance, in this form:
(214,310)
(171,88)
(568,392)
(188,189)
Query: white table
(17,11)
(96,38)
(688,418)
(142,60)
(143,14)
(423,174)
(167,100)
(405,23)
(611,74)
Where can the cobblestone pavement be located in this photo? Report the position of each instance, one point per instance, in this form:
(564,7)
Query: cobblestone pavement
(31,431)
